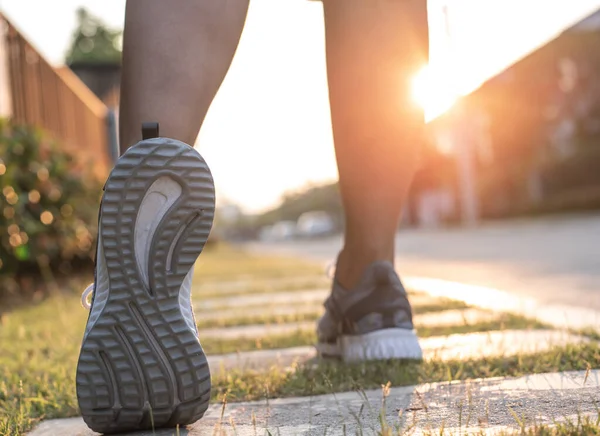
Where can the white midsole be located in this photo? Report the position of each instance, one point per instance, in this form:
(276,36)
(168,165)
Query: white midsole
(157,201)
(392,343)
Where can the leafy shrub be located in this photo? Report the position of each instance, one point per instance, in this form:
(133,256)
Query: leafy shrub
(48,206)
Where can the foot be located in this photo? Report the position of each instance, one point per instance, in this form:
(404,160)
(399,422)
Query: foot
(372,321)
(141,364)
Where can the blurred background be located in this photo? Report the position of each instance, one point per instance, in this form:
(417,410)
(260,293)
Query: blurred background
(511,94)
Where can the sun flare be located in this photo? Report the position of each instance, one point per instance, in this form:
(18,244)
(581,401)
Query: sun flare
(433,91)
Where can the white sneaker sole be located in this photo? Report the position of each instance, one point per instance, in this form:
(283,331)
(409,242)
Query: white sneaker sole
(141,365)
(393,343)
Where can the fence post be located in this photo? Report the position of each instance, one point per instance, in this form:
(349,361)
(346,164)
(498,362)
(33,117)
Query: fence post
(5,94)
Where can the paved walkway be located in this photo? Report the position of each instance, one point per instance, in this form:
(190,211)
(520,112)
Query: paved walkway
(488,404)
(457,346)
(552,260)
(446,318)
(244,318)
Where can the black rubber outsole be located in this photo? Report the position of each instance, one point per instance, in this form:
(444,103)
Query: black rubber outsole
(141,365)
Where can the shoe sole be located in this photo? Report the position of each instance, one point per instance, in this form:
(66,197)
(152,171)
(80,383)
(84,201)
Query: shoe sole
(393,343)
(141,364)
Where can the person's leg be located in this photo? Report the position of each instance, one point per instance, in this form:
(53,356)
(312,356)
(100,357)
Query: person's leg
(374,49)
(175,56)
(141,365)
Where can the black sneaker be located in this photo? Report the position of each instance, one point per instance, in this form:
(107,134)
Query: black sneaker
(373,321)
(141,364)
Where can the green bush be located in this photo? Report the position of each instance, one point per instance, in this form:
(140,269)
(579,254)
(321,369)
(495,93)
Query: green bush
(48,206)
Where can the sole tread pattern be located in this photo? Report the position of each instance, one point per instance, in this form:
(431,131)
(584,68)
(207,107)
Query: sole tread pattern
(141,365)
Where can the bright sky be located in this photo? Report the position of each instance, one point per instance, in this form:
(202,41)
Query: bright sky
(269,128)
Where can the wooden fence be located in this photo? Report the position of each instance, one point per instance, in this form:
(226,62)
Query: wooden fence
(52,99)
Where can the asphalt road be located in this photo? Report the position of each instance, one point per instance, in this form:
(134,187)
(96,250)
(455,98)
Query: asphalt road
(552,260)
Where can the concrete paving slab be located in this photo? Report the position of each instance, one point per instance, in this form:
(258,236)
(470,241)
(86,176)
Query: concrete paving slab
(459,346)
(455,317)
(438,319)
(497,343)
(486,405)
(558,315)
(258,311)
(308,296)
(256,331)
(279,304)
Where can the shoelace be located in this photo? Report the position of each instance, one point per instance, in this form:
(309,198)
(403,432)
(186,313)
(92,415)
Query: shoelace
(85,295)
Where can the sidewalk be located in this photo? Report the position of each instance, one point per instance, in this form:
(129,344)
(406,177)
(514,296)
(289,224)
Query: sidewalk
(552,261)
(260,348)
(489,405)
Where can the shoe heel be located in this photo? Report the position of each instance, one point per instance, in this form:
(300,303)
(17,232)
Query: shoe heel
(141,364)
(392,343)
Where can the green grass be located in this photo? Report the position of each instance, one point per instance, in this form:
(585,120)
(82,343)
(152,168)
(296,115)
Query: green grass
(327,377)
(38,354)
(39,345)
(305,337)
(253,286)
(228,263)
(39,341)
(312,306)
(504,322)
(594,335)
(439,305)
(294,339)
(306,312)
(421,302)
(270,319)
(583,425)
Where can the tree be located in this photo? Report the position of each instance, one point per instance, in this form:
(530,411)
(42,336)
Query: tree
(322,197)
(93,41)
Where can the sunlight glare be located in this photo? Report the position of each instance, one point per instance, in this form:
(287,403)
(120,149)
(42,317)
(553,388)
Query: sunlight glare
(433,91)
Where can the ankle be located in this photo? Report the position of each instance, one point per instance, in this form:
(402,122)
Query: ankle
(351,264)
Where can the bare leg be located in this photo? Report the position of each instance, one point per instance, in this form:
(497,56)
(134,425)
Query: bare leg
(374,48)
(176,55)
